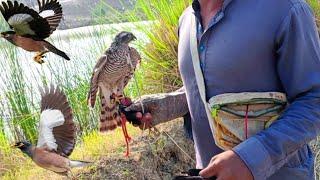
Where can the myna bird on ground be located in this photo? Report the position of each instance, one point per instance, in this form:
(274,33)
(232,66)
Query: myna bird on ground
(57,134)
(30,28)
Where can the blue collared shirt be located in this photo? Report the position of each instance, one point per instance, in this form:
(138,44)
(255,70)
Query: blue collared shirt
(258,46)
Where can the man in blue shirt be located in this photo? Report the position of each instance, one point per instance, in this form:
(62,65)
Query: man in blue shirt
(250,46)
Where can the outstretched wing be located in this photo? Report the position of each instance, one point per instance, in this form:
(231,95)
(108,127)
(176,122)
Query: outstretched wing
(25,21)
(57,129)
(51,10)
(92,95)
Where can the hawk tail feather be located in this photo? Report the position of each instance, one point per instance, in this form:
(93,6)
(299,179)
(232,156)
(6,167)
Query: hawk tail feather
(109,118)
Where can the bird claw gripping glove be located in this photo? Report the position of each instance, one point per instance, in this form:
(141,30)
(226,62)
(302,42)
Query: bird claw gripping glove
(162,107)
(192,174)
(130,115)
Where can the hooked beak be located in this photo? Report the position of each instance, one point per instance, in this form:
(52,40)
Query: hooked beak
(134,38)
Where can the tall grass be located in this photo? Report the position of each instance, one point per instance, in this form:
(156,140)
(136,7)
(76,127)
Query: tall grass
(17,105)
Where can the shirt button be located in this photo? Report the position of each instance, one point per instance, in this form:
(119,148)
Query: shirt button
(202,47)
(220,16)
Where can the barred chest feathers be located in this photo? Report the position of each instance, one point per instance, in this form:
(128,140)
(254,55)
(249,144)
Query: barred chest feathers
(119,61)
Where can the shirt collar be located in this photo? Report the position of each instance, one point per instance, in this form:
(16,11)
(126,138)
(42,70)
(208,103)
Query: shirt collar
(196,5)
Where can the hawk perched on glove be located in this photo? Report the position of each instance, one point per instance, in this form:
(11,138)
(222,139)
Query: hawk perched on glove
(30,28)
(111,74)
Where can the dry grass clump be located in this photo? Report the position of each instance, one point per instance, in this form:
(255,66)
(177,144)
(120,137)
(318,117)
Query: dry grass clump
(152,157)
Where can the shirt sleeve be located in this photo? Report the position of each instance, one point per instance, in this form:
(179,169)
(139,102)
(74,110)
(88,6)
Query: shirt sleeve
(298,66)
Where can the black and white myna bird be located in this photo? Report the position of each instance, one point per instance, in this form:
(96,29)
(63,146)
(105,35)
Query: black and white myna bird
(30,28)
(57,134)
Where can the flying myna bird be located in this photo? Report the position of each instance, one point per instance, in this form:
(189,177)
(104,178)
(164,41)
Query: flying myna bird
(30,28)
(110,75)
(57,134)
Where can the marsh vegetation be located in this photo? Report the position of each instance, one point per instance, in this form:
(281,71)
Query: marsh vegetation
(155,24)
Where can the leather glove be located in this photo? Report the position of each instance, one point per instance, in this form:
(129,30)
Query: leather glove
(158,108)
(131,116)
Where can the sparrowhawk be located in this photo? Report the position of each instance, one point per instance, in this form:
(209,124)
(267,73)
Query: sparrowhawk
(111,74)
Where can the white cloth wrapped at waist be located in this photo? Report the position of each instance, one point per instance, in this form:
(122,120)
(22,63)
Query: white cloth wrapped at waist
(229,98)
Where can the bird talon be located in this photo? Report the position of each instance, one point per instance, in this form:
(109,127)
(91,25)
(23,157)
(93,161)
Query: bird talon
(116,98)
(39,59)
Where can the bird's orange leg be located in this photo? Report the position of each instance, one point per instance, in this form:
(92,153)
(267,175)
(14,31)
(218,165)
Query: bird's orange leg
(125,133)
(39,56)
(117,99)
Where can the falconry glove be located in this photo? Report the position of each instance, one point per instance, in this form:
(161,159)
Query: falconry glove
(131,116)
(163,107)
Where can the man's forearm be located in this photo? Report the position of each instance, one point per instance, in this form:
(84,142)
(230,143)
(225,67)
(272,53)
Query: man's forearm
(166,106)
(174,105)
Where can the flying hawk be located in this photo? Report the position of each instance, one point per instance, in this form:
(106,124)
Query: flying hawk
(30,28)
(57,134)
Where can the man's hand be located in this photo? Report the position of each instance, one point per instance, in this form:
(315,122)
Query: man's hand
(227,166)
(151,105)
